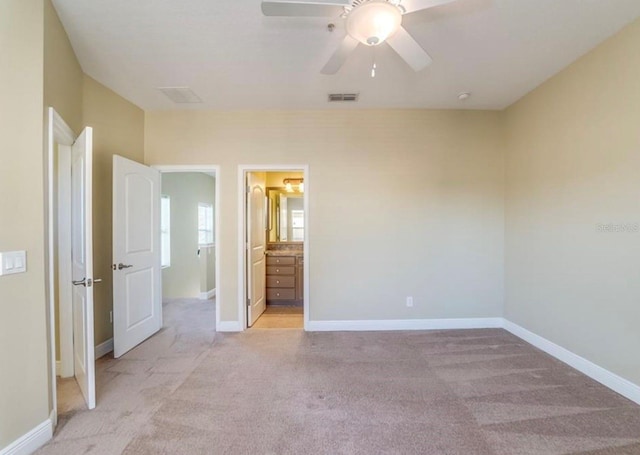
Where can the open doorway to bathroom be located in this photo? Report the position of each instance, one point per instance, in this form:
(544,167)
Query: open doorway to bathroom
(275,231)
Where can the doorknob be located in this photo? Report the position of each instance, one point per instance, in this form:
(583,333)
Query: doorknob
(87,283)
(124,266)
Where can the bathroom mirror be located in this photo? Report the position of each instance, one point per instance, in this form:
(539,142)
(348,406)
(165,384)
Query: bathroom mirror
(285,216)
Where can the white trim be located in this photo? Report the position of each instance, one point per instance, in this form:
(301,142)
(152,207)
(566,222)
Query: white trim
(405,324)
(31,441)
(104,348)
(229,326)
(53,417)
(57,132)
(242,172)
(65,275)
(605,377)
(211,169)
(208,295)
(214,170)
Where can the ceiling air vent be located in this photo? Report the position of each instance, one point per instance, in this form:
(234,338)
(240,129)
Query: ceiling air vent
(335,97)
(180,95)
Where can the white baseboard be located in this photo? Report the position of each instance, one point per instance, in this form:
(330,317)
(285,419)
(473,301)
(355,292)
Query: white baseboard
(31,441)
(229,326)
(104,348)
(208,295)
(404,324)
(605,377)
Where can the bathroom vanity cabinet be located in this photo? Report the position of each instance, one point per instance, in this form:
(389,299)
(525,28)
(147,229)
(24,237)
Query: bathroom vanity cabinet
(284,279)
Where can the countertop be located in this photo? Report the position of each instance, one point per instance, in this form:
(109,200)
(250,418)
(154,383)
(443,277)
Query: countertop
(284,253)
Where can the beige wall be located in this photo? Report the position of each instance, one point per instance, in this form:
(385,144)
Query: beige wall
(118,128)
(23,329)
(188,274)
(62,72)
(208,270)
(423,216)
(573,163)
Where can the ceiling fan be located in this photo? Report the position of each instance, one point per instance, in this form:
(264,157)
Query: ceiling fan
(370,22)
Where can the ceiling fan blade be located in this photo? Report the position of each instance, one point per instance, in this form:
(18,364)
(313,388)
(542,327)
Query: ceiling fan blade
(340,55)
(417,5)
(409,50)
(310,8)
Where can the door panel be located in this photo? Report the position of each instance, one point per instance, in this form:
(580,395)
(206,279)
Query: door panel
(139,213)
(82,265)
(138,312)
(256,234)
(137,295)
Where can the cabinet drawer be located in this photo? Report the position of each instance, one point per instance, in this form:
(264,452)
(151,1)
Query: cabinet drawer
(281,260)
(277,270)
(281,294)
(281,281)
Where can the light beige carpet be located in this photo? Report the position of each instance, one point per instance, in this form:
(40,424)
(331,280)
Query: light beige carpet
(470,392)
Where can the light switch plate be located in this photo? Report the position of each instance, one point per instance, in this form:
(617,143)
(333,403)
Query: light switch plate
(13,262)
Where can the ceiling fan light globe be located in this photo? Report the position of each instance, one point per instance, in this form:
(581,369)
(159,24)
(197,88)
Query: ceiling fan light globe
(373,22)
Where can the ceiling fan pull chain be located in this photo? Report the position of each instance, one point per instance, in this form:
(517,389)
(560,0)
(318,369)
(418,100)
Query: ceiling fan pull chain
(374,66)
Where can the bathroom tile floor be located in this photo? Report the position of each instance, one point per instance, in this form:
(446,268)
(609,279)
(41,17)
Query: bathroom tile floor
(281,317)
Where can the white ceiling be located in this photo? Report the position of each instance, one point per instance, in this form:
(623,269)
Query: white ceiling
(235,58)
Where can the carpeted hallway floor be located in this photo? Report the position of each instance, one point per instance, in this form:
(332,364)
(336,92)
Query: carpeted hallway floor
(474,392)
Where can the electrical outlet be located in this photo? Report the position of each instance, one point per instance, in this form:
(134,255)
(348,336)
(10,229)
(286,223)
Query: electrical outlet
(410,301)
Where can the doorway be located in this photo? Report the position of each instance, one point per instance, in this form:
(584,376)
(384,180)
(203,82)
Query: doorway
(69,266)
(189,229)
(274,246)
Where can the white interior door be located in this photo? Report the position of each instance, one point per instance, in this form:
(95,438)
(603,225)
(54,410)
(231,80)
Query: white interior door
(82,265)
(137,287)
(256,235)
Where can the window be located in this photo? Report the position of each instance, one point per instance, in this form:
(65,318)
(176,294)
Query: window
(165,231)
(205,224)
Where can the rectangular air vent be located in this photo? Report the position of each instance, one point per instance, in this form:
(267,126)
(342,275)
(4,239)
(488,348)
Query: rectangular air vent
(181,95)
(335,97)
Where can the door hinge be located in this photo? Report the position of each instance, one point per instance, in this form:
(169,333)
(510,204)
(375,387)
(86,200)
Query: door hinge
(248,302)
(248,189)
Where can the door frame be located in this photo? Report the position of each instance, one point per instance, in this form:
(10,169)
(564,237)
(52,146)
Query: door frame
(57,132)
(243,169)
(206,168)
